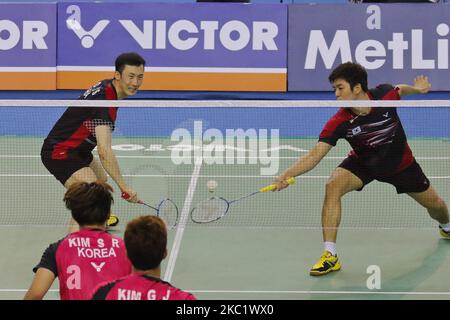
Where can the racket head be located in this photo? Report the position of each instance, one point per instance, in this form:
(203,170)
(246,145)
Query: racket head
(168,212)
(210,210)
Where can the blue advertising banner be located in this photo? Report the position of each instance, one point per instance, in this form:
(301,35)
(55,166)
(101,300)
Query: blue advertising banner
(27,46)
(208,46)
(394,42)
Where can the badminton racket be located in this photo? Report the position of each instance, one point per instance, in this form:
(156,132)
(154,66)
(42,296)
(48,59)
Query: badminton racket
(215,208)
(167,210)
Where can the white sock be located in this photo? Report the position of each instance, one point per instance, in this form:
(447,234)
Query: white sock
(446,226)
(331,247)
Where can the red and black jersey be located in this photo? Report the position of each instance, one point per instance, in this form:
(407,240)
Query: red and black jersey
(378,139)
(75,130)
(140,287)
(83,260)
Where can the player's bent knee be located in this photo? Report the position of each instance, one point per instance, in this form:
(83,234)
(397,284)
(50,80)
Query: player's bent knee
(334,187)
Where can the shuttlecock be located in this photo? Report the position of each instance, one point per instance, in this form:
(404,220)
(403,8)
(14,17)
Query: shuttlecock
(212,185)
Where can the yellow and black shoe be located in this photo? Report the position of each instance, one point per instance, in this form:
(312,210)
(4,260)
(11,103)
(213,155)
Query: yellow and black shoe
(112,221)
(444,234)
(326,264)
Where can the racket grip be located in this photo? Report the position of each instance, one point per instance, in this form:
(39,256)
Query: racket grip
(273,186)
(126,196)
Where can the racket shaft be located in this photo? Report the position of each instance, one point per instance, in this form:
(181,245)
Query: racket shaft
(142,202)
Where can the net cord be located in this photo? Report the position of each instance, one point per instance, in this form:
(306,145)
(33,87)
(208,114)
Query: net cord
(135,103)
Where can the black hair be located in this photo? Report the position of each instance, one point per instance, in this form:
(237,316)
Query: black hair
(90,203)
(130,59)
(146,242)
(353,73)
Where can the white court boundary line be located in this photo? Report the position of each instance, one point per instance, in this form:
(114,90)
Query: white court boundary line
(237,157)
(26,175)
(300,227)
(289,292)
(183,221)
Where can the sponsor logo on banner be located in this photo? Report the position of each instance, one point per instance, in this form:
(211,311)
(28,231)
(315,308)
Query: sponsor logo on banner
(87,37)
(391,41)
(187,46)
(32,33)
(27,46)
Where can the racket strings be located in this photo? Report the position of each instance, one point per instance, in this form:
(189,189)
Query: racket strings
(168,212)
(209,210)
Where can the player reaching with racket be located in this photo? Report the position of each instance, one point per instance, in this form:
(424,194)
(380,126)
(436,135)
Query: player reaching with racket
(67,150)
(380,152)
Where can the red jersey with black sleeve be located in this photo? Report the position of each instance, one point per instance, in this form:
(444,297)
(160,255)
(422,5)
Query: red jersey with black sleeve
(83,260)
(378,138)
(75,130)
(140,287)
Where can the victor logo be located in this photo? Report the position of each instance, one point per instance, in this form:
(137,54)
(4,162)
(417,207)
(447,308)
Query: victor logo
(98,267)
(87,37)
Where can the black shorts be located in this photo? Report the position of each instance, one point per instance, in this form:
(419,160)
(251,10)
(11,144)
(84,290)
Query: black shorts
(63,169)
(411,179)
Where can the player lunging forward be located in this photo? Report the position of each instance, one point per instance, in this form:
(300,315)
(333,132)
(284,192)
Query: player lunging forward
(380,152)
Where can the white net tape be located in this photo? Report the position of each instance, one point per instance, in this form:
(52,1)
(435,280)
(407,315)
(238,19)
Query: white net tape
(225,103)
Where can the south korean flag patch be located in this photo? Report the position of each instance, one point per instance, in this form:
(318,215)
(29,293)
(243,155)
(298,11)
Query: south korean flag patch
(356,130)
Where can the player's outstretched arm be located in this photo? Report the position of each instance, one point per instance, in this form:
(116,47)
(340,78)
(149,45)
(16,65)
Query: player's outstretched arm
(43,280)
(109,160)
(304,164)
(421,85)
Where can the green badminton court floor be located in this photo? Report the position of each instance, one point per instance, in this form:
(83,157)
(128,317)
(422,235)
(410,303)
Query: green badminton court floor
(264,247)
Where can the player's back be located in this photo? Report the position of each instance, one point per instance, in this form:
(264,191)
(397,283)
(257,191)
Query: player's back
(86,258)
(140,287)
